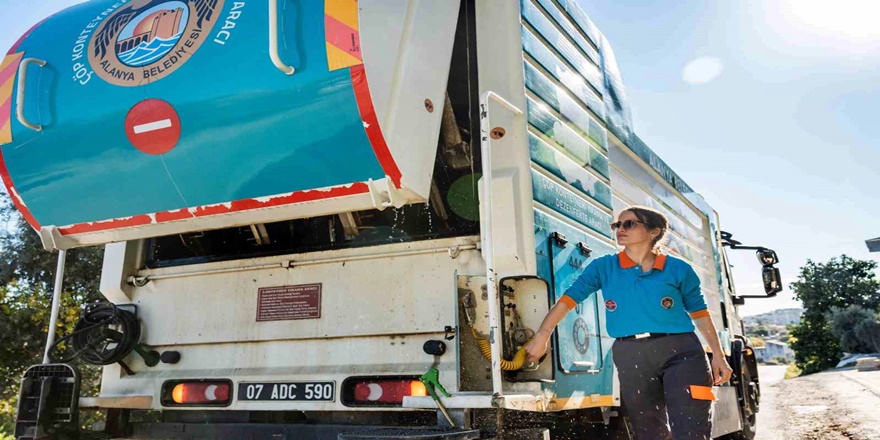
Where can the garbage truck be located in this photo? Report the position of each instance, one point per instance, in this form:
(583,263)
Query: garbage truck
(340,219)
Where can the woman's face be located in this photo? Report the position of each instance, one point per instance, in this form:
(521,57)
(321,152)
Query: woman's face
(635,235)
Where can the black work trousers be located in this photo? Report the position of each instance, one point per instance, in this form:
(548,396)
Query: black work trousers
(665,384)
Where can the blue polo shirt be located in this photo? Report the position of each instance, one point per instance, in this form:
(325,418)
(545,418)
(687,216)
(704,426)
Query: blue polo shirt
(664,300)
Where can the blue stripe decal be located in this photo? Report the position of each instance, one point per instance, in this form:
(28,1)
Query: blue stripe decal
(566,106)
(567,170)
(562,73)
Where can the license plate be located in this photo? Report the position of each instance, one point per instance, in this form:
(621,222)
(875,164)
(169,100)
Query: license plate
(288,391)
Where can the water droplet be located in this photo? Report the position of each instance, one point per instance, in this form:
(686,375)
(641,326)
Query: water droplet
(430,217)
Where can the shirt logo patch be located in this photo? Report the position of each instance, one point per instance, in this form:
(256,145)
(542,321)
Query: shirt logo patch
(667,302)
(610,305)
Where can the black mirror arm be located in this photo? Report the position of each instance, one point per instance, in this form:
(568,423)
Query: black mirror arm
(727,240)
(745,248)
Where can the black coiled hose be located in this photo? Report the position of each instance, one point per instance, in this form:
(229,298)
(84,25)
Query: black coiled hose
(104,335)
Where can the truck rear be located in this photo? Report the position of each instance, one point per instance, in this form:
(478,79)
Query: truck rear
(340,218)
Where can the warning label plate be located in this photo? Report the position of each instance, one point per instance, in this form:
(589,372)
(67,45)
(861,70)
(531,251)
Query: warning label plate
(289,302)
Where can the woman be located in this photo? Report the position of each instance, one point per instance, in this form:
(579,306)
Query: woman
(652,303)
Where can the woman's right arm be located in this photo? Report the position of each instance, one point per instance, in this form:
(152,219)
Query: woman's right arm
(585,285)
(538,345)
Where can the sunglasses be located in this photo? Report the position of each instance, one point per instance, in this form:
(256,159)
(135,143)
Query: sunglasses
(626,224)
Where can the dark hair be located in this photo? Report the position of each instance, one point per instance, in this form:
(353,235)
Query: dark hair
(653,219)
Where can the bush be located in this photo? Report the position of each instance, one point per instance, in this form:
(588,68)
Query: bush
(844,323)
(792,371)
(868,332)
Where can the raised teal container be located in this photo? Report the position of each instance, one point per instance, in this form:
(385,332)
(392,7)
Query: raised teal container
(157,106)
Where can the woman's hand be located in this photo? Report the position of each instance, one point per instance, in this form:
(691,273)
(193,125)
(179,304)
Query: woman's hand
(720,369)
(537,346)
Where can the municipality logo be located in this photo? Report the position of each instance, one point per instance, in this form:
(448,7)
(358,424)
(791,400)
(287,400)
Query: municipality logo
(146,40)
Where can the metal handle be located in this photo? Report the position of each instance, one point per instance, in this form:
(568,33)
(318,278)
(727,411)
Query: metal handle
(19,105)
(273,40)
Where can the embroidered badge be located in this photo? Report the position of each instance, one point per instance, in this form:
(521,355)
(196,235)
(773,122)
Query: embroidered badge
(610,305)
(667,302)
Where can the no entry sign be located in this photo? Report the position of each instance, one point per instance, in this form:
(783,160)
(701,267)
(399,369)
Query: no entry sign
(153,126)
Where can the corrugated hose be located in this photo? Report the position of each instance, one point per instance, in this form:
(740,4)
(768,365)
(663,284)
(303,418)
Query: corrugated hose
(519,359)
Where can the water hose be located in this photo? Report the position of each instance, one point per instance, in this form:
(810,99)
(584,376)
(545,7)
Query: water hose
(519,359)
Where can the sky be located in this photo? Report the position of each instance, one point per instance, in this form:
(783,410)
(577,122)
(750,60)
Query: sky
(765,107)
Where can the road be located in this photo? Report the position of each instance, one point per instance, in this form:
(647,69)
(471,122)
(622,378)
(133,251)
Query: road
(841,404)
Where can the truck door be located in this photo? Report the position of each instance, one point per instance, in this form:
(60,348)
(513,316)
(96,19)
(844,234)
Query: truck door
(577,336)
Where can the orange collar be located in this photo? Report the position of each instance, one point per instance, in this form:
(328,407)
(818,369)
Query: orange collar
(627,263)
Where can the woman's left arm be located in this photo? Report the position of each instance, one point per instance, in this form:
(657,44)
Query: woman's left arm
(721,371)
(695,305)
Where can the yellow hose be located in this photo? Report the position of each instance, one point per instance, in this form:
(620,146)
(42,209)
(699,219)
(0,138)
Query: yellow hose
(519,359)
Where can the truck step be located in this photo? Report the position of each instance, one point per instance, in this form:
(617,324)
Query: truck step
(411,434)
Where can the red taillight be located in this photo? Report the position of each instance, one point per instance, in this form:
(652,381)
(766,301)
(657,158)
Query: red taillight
(207,393)
(387,391)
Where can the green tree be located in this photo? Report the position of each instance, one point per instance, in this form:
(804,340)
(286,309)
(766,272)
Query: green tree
(27,277)
(815,347)
(841,282)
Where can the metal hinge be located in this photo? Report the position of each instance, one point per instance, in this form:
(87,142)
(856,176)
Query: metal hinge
(559,239)
(584,249)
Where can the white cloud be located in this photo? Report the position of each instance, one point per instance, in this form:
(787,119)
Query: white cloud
(702,70)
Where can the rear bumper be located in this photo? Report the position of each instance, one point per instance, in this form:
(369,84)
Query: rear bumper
(121,402)
(239,431)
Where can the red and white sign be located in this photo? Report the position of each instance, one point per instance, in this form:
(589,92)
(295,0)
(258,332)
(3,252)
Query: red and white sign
(153,126)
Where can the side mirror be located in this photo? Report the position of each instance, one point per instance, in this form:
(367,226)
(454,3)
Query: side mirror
(772,280)
(767,257)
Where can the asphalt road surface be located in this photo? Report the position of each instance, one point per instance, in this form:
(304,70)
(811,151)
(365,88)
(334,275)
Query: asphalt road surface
(843,404)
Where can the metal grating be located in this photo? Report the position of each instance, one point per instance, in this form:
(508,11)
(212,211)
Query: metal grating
(65,390)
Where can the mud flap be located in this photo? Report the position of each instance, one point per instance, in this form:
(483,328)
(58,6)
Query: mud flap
(726,417)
